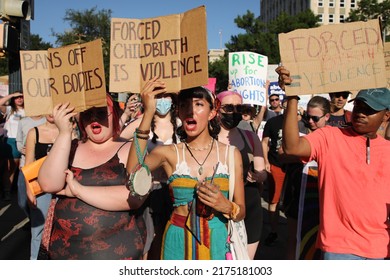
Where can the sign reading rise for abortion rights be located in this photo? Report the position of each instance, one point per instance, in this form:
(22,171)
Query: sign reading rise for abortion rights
(73,73)
(248,75)
(172,48)
(347,56)
(387,62)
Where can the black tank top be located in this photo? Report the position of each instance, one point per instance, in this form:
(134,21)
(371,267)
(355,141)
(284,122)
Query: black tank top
(41,149)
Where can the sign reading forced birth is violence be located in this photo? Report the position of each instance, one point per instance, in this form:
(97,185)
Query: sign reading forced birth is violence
(248,75)
(73,73)
(347,56)
(172,48)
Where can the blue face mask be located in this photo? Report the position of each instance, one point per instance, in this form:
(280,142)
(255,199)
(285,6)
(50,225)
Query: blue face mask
(163,106)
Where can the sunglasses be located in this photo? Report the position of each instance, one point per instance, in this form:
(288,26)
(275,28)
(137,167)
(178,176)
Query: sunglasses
(275,99)
(230,108)
(100,114)
(315,119)
(343,95)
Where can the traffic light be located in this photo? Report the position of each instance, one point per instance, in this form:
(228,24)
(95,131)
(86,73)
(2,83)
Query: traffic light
(14,8)
(8,38)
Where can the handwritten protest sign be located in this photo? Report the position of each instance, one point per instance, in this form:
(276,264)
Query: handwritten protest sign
(387,62)
(331,58)
(172,48)
(247,75)
(73,73)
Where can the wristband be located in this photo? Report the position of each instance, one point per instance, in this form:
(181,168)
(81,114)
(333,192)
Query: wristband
(142,131)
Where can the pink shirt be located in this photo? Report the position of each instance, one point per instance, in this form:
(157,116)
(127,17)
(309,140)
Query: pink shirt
(354,195)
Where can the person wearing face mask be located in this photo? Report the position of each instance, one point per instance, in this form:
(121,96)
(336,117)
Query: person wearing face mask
(248,143)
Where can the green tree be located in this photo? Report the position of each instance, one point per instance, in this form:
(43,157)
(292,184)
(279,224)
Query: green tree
(86,26)
(371,9)
(37,43)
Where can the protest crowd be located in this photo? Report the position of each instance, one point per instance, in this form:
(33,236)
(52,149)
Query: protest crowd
(161,174)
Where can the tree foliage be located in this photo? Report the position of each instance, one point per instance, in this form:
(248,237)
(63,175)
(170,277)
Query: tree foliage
(371,9)
(259,38)
(85,26)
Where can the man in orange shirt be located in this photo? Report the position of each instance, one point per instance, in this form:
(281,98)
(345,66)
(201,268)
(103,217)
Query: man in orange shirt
(353,179)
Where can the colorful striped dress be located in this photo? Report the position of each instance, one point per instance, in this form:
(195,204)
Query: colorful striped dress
(194,237)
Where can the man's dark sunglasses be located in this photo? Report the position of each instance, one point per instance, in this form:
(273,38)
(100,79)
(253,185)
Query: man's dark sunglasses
(315,119)
(230,108)
(338,95)
(275,99)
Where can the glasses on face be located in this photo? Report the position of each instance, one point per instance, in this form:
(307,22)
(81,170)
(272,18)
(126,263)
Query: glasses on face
(98,114)
(230,108)
(275,99)
(343,95)
(315,119)
(19,97)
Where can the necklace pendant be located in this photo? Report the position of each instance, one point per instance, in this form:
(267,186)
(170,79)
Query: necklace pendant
(200,170)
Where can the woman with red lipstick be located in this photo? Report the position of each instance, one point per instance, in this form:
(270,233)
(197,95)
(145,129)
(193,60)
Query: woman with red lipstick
(94,216)
(198,176)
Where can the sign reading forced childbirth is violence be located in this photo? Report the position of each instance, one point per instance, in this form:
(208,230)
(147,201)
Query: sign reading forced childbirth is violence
(172,48)
(74,74)
(247,75)
(331,58)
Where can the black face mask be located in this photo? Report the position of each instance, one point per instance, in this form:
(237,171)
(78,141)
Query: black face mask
(230,121)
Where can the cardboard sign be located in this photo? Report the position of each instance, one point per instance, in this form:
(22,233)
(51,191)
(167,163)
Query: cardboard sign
(248,76)
(172,48)
(331,58)
(387,62)
(73,73)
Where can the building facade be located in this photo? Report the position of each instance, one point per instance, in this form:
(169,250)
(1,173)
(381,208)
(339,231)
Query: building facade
(330,11)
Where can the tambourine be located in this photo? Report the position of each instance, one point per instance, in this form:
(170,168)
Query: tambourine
(140,181)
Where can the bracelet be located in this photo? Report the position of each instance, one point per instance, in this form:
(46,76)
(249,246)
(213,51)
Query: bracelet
(136,135)
(142,131)
(234,213)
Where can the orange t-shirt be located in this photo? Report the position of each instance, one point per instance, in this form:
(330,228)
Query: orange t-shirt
(354,195)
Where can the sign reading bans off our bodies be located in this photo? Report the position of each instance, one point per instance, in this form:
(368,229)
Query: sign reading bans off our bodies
(330,58)
(387,62)
(248,75)
(172,48)
(73,73)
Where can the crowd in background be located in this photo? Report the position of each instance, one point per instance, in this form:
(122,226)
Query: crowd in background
(183,139)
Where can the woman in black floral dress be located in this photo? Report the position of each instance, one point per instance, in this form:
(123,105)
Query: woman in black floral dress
(94,217)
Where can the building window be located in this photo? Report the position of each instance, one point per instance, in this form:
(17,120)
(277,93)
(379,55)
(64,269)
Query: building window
(330,18)
(320,18)
(320,3)
(342,18)
(353,3)
(331,3)
(342,3)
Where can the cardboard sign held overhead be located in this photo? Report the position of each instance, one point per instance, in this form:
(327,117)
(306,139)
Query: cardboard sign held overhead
(331,58)
(387,62)
(172,48)
(73,73)
(248,76)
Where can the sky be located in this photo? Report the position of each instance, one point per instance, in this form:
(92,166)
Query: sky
(49,14)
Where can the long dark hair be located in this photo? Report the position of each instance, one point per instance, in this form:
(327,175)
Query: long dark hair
(199,92)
